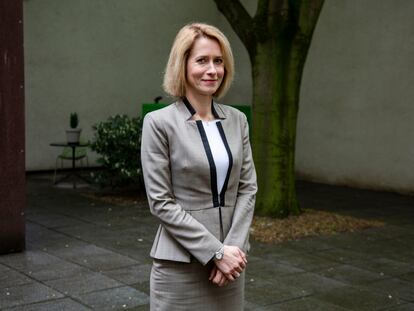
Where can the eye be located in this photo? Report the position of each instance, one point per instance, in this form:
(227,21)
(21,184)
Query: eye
(218,61)
(201,60)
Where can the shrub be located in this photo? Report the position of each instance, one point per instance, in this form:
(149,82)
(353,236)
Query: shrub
(118,141)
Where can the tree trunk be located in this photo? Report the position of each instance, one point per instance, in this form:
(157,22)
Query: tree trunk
(276,71)
(277,39)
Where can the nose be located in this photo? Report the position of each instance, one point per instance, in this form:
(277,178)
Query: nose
(212,70)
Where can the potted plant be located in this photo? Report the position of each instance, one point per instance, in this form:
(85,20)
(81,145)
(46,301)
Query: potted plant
(73,133)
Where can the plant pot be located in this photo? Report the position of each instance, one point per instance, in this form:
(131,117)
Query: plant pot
(72,135)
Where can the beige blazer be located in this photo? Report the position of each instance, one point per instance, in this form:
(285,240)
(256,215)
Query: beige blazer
(180,180)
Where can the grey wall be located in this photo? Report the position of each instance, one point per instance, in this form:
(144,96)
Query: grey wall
(356,114)
(102,57)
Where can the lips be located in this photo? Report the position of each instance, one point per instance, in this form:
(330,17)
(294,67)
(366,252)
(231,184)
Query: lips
(209,81)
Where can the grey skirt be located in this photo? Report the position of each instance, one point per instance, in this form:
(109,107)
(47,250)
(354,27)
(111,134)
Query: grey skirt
(178,286)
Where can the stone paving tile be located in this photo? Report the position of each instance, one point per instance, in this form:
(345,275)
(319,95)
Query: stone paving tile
(30,261)
(65,304)
(143,236)
(346,240)
(392,249)
(140,308)
(94,257)
(309,262)
(256,281)
(312,244)
(3,267)
(125,222)
(407,276)
(387,248)
(53,220)
(82,283)
(41,265)
(273,252)
(143,287)
(296,275)
(341,255)
(42,238)
(350,274)
(58,270)
(141,255)
(269,268)
(358,299)
(304,304)
(407,241)
(310,282)
(268,295)
(386,232)
(250,306)
(130,275)
(111,238)
(400,221)
(402,307)
(121,298)
(385,266)
(25,294)
(102,218)
(395,287)
(89,232)
(139,222)
(10,278)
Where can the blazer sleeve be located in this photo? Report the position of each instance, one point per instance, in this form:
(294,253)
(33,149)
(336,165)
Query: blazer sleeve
(186,230)
(238,234)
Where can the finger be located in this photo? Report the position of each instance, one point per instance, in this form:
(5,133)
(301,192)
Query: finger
(219,278)
(225,280)
(241,252)
(216,279)
(222,281)
(243,256)
(230,277)
(242,264)
(212,273)
(219,275)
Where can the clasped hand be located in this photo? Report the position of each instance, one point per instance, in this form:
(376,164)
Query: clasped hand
(229,268)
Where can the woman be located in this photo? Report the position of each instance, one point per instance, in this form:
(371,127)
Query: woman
(200,179)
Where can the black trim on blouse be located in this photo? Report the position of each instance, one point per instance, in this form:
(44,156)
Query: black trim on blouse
(226,145)
(213,171)
(192,110)
(218,199)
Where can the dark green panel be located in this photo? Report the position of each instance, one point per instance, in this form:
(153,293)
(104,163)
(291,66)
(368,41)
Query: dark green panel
(247,110)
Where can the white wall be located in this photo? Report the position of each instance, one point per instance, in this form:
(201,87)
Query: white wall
(102,57)
(356,113)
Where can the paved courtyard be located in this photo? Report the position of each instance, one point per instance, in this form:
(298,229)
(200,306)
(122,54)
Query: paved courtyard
(88,255)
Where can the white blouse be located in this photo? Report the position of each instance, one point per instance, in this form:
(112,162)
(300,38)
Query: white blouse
(218,150)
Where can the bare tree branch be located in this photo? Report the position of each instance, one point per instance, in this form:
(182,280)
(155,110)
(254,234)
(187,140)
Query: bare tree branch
(308,14)
(239,19)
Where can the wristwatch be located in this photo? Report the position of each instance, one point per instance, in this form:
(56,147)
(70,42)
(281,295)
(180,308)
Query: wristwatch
(219,254)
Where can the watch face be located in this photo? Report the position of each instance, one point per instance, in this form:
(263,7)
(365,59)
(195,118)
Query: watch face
(219,255)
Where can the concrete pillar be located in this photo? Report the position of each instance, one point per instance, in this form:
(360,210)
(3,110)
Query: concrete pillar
(12,140)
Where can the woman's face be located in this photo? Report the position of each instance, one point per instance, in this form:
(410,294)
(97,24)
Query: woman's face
(205,68)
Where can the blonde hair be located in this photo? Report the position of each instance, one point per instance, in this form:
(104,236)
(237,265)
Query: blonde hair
(175,71)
